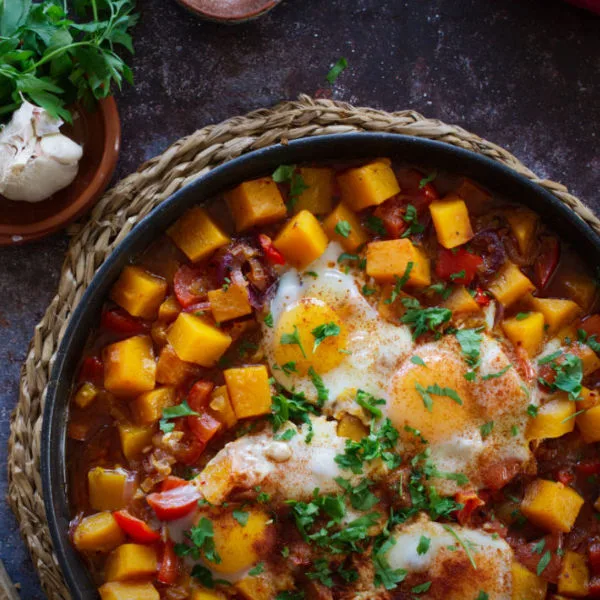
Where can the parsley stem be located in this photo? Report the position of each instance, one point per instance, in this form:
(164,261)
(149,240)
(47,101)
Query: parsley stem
(48,57)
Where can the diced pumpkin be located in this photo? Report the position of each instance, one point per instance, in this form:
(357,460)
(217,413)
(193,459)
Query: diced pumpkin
(264,586)
(158,333)
(194,340)
(256,202)
(460,301)
(134,438)
(574,576)
(171,370)
(169,310)
(589,359)
(352,427)
(588,399)
(148,407)
(240,546)
(588,424)
(318,196)
(391,309)
(523,223)
(451,221)
(131,561)
(86,394)
(196,234)
(98,533)
(215,481)
(526,333)
(341,221)
(389,259)
(204,594)
(554,419)
(557,312)
(249,391)
(128,590)
(527,585)
(510,284)
(302,240)
(230,303)
(140,293)
(579,288)
(107,488)
(220,407)
(551,505)
(129,366)
(368,185)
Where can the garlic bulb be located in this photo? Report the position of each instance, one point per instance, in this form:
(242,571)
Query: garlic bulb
(36,160)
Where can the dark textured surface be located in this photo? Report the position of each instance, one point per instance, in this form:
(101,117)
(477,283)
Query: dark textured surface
(522,73)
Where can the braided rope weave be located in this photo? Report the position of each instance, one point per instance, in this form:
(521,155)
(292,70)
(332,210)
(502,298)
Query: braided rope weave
(123,206)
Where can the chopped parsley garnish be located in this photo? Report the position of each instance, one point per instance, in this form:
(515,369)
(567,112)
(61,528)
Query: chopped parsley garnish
(288,595)
(173,412)
(440,288)
(257,570)
(411,217)
(538,548)
(532,410)
(296,408)
(360,496)
(417,360)
(591,341)
(486,429)
(286,436)
(482,595)
(522,316)
(289,367)
(241,516)
(544,562)
(400,283)
(313,274)
(458,275)
(465,545)
(347,256)
(343,228)
(201,537)
(289,174)
(384,574)
(436,390)
(497,374)
(226,283)
(422,587)
(423,546)
(336,70)
(205,577)
(268,320)
(428,179)
(322,332)
(470,344)
(293,338)
(369,402)
(375,224)
(317,381)
(550,357)
(568,373)
(421,320)
(514,431)
(367,291)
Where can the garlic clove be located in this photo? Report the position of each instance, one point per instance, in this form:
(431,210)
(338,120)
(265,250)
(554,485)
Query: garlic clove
(61,148)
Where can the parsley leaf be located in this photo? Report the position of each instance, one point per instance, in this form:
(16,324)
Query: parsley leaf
(436,390)
(522,316)
(465,545)
(343,228)
(375,224)
(544,562)
(486,429)
(241,516)
(384,574)
(470,344)
(257,570)
(293,338)
(317,381)
(324,331)
(361,497)
(422,320)
(369,402)
(424,543)
(428,179)
(201,537)
(417,360)
(400,283)
(336,70)
(422,587)
(173,412)
(532,410)
(411,217)
(496,375)
(268,320)
(287,595)
(289,174)
(284,409)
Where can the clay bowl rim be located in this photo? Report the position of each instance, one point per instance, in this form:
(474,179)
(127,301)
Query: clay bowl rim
(20,234)
(190,6)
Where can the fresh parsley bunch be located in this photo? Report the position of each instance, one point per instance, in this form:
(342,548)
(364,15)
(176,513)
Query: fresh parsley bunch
(50,59)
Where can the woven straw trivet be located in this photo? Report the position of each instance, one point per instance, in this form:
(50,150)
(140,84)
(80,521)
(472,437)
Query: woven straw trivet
(133,198)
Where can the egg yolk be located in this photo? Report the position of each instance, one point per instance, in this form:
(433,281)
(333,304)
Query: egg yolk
(414,402)
(302,327)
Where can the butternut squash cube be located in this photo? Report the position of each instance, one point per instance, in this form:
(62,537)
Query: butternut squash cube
(551,505)
(220,407)
(389,259)
(129,366)
(230,303)
(169,310)
(204,594)
(352,427)
(460,301)
(349,223)
(527,333)
(588,424)
(249,391)
(197,235)
(580,288)
(523,223)
(254,203)
(148,407)
(259,587)
(302,240)
(510,284)
(368,185)
(98,533)
(554,419)
(107,488)
(128,590)
(527,585)
(134,438)
(317,198)
(557,312)
(171,370)
(194,340)
(216,480)
(589,359)
(588,399)
(131,561)
(139,292)
(574,576)
(86,394)
(451,221)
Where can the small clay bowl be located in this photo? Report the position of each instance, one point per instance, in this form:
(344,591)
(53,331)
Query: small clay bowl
(99,132)
(229,11)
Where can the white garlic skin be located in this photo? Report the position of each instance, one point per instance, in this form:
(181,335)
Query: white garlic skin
(36,160)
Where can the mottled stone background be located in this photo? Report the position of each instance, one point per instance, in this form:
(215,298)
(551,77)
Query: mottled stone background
(522,73)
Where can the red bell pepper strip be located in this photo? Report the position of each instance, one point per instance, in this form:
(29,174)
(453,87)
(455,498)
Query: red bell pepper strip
(410,185)
(594,556)
(169,564)
(138,530)
(199,395)
(452,263)
(174,503)
(470,501)
(189,284)
(547,261)
(481,297)
(593,589)
(591,325)
(204,427)
(172,482)
(588,467)
(272,254)
(120,321)
(565,477)
(92,370)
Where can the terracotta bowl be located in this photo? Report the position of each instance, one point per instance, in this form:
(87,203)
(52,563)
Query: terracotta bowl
(100,134)
(229,11)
